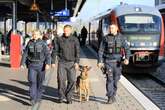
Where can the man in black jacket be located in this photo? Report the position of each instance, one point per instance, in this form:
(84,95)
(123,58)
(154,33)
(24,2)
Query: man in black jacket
(67,49)
(37,57)
(110,59)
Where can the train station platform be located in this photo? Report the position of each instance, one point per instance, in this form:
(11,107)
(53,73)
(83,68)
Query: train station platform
(14,93)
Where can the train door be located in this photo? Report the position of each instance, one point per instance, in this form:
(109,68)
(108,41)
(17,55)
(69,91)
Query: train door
(105,25)
(99,33)
(93,34)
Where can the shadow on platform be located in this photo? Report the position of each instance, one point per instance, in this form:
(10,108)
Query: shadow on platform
(98,99)
(4,64)
(14,93)
(49,93)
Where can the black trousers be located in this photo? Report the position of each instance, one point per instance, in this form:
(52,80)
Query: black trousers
(66,80)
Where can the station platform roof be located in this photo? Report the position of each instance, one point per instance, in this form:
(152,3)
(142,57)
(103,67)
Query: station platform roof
(24,13)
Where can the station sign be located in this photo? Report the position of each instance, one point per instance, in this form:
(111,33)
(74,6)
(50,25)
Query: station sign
(62,13)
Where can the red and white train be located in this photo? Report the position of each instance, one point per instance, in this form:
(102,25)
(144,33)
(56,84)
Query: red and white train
(142,25)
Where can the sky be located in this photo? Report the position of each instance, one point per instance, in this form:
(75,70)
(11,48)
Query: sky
(93,7)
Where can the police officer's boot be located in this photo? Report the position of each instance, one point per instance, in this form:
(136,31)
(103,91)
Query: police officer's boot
(69,102)
(111,100)
(60,100)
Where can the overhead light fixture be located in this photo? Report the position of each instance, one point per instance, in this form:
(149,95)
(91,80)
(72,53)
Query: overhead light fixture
(34,6)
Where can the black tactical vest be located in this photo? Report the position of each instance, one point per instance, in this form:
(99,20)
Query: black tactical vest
(35,49)
(113,44)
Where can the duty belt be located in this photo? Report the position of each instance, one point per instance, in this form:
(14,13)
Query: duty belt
(35,62)
(112,61)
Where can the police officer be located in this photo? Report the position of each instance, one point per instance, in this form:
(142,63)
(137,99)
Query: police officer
(38,58)
(110,59)
(67,50)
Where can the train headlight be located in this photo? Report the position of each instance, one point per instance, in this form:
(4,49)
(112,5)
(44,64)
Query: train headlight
(155,43)
(132,44)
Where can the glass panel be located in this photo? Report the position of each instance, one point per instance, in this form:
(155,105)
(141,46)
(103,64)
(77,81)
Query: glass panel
(140,23)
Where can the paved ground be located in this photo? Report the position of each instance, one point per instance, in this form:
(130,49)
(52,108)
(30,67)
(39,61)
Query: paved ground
(14,91)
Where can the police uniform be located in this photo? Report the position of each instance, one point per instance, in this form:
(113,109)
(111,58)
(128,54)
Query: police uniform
(110,55)
(36,56)
(67,50)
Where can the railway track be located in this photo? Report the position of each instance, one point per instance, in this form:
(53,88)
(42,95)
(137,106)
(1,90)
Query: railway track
(150,86)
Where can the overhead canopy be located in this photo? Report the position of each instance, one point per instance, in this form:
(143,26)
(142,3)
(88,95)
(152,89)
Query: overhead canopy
(93,8)
(24,13)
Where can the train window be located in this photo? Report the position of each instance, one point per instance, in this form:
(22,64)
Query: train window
(139,19)
(105,26)
(140,23)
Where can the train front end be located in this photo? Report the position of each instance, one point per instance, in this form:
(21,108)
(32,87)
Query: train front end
(145,35)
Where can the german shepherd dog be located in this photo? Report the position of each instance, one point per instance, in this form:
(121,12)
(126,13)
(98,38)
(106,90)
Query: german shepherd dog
(82,84)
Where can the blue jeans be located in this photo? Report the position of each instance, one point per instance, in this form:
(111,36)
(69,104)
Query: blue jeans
(36,76)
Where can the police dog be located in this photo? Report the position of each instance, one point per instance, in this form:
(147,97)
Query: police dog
(82,84)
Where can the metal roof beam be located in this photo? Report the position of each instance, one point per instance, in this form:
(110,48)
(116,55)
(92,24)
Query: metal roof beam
(77,7)
(7,1)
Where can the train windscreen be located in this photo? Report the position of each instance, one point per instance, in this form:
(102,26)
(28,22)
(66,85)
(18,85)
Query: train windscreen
(140,23)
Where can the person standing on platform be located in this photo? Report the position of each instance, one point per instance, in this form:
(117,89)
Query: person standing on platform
(84,33)
(54,38)
(110,59)
(67,50)
(37,57)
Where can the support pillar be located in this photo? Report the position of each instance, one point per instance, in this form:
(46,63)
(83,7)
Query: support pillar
(15,44)
(37,25)
(4,26)
(25,28)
